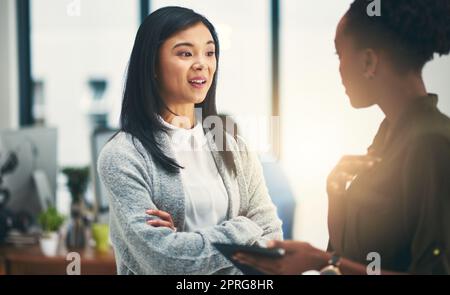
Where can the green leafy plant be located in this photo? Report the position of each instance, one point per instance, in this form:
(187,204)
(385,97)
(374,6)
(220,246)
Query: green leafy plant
(50,220)
(77,181)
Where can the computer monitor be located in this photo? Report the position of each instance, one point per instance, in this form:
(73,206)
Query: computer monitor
(99,138)
(32,183)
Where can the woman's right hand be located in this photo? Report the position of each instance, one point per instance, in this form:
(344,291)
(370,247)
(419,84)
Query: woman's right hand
(165,221)
(346,170)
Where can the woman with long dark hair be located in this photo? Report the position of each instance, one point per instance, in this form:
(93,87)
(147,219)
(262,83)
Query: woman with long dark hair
(394,217)
(177,181)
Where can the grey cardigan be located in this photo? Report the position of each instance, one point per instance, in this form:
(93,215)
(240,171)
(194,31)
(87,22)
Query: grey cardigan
(135,184)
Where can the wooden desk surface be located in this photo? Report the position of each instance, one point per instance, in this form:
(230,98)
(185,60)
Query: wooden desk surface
(29,260)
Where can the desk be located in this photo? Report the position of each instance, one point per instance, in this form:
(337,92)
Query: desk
(29,260)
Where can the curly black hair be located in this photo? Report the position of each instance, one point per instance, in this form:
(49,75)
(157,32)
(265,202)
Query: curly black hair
(412,31)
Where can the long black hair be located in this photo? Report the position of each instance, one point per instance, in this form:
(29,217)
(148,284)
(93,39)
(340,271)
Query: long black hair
(142,102)
(411,31)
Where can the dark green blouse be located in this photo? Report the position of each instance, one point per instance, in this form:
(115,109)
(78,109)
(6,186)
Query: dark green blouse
(400,208)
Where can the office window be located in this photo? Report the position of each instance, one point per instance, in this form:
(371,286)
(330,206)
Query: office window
(244,29)
(79,54)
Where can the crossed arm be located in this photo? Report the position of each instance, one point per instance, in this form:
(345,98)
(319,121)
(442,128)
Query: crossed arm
(159,249)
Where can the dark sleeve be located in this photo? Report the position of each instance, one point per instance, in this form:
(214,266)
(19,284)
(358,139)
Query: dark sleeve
(426,191)
(330,247)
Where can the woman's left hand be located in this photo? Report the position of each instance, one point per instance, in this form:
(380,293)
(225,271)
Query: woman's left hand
(298,258)
(165,221)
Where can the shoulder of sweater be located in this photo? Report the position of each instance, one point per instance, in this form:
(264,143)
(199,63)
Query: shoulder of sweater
(123,149)
(242,151)
(237,143)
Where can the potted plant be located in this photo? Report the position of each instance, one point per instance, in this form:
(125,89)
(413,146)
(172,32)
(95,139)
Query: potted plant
(77,182)
(50,221)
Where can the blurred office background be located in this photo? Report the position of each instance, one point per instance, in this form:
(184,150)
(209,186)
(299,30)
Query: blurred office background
(63,65)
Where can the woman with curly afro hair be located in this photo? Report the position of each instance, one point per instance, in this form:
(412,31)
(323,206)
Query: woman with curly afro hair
(389,210)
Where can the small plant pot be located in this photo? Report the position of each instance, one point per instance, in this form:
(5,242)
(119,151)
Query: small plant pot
(49,244)
(100,233)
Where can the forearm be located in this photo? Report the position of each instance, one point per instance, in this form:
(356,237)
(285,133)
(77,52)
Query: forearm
(162,251)
(267,219)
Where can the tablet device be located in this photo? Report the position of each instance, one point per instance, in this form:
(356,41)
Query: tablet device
(228,250)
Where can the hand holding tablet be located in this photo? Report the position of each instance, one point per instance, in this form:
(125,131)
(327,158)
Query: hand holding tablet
(229,250)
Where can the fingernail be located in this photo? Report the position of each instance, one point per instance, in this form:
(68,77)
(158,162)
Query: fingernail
(270,243)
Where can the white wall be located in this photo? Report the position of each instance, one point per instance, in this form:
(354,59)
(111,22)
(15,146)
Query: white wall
(9,97)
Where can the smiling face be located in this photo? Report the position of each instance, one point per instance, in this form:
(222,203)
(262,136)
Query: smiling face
(186,67)
(357,68)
